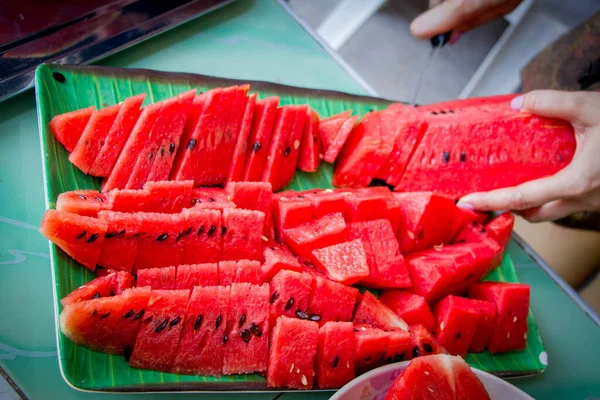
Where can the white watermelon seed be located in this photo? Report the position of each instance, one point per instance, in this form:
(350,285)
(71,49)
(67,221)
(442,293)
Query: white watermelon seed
(296,144)
(442,326)
(515,318)
(430,389)
(426,372)
(328,191)
(292,368)
(525,336)
(321,156)
(347,364)
(228,198)
(298,370)
(363,328)
(508,335)
(411,235)
(304,380)
(263,237)
(438,247)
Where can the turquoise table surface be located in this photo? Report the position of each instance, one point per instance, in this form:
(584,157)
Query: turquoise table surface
(251,39)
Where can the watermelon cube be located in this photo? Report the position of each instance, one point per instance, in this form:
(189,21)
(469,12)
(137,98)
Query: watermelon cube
(293,350)
(412,308)
(289,292)
(157,278)
(423,342)
(311,149)
(290,210)
(431,277)
(203,242)
(399,346)
(330,301)
(342,135)
(104,286)
(157,243)
(236,169)
(248,271)
(500,228)
(318,233)
(326,202)
(247,347)
(370,347)
(457,322)
(202,344)
(344,262)
(168,196)
(512,303)
(120,246)
(276,258)
(82,202)
(486,325)
(256,196)
(265,112)
(372,311)
(227,270)
(241,239)
(156,342)
(191,275)
(67,128)
(334,364)
(329,127)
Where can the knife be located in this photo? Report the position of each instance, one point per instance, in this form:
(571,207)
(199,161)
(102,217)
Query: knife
(437,42)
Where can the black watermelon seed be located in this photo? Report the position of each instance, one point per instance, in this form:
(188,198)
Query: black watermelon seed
(287,151)
(94,312)
(150,156)
(415,352)
(421,234)
(92,238)
(314,139)
(458,335)
(211,200)
(162,237)
(200,230)
(483,230)
(162,325)
(100,199)
(300,196)
(443,112)
(274,297)
(256,330)
(219,320)
(96,295)
(289,304)
(367,359)
(451,111)
(191,144)
(242,320)
(427,347)
(399,357)
(356,330)
(138,234)
(212,230)
(223,230)
(105,315)
(315,317)
(225,339)
(122,232)
(109,235)
(127,353)
(172,148)
(139,315)
(246,335)
(463,157)
(112,292)
(162,151)
(336,361)
(256,147)
(446,157)
(82,234)
(434,112)
(58,77)
(195,201)
(175,321)
(198,322)
(82,197)
(129,314)
(301,314)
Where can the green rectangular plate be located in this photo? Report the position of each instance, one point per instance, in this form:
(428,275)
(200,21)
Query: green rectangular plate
(65,88)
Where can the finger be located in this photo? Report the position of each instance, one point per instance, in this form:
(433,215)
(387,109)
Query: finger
(552,211)
(576,107)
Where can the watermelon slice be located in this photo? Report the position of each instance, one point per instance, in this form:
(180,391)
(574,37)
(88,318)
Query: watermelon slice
(78,236)
(236,169)
(260,138)
(289,292)
(330,301)
(311,148)
(67,128)
(500,228)
(372,311)
(318,233)
(423,342)
(399,346)
(386,134)
(329,127)
(227,270)
(117,136)
(106,324)
(202,344)
(94,134)
(277,258)
(485,326)
(104,286)
(342,135)
(293,351)
(412,308)
(326,202)
(285,146)
(334,364)
(457,322)
(370,347)
(168,196)
(82,202)
(203,243)
(156,342)
(247,343)
(241,239)
(512,303)
(248,271)
(289,211)
(211,198)
(189,276)
(157,278)
(253,196)
(157,240)
(120,246)
(344,262)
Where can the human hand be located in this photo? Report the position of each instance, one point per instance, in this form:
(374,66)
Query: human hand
(574,188)
(458,16)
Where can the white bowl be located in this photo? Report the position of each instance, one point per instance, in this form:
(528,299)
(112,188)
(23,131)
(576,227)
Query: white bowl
(374,385)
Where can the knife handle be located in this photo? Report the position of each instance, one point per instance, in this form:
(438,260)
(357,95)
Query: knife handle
(440,40)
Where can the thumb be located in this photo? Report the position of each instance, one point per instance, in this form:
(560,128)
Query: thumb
(579,108)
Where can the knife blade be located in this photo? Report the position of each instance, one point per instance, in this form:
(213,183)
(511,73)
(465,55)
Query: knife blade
(437,42)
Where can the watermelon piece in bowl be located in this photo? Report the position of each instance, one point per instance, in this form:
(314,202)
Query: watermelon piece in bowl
(372,311)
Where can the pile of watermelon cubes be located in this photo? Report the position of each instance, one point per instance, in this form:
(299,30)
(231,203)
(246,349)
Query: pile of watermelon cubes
(238,280)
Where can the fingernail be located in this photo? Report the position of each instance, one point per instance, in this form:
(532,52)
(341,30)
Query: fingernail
(454,37)
(517,102)
(465,206)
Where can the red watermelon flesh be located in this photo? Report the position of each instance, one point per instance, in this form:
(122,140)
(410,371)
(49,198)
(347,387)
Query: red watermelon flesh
(82,202)
(104,286)
(227,271)
(344,262)
(277,258)
(331,301)
(203,243)
(241,239)
(430,278)
(387,135)
(168,196)
(236,169)
(457,321)
(399,346)
(78,236)
(326,202)
(512,303)
(132,148)
(289,292)
(67,128)
(260,138)
(426,378)
(202,343)
(248,271)
(117,136)
(464,217)
(289,211)
(340,139)
(156,342)
(467,385)
(485,326)
(293,350)
(106,324)
(334,364)
(157,241)
(157,278)
(285,146)
(365,206)
(329,127)
(191,275)
(253,196)
(412,308)
(88,147)
(500,228)
(393,120)
(455,108)
(211,198)
(372,311)
(120,246)
(318,233)
(423,342)
(369,351)
(247,347)
(127,200)
(311,149)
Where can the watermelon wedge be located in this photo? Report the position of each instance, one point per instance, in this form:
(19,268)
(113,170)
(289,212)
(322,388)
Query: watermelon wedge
(289,211)
(236,169)
(412,308)
(334,364)
(82,202)
(289,292)
(325,231)
(168,196)
(104,286)
(372,311)
(241,239)
(157,240)
(485,326)
(277,258)
(256,196)
(457,322)
(203,243)
(500,228)
(330,301)
(329,127)
(157,278)
(311,150)
(423,342)
(370,347)
(67,128)
(227,270)
(120,246)
(326,202)
(399,346)
(344,262)
(263,122)
(248,271)
(342,135)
